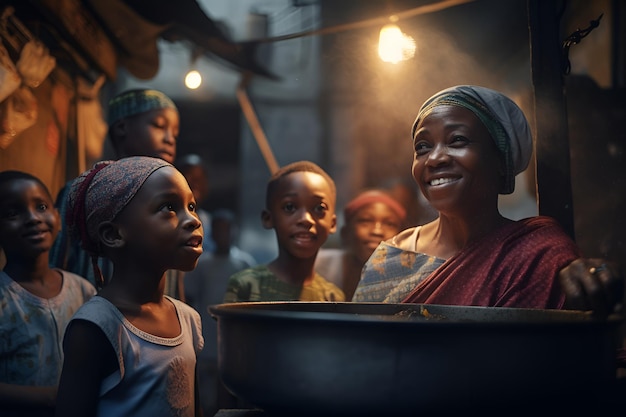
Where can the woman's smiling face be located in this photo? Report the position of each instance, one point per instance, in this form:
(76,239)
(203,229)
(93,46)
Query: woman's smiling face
(455,161)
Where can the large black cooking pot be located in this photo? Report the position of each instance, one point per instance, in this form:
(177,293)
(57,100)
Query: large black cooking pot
(370,358)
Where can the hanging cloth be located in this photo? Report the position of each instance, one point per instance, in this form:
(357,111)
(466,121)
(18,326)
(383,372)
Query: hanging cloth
(35,63)
(91,126)
(17,113)
(9,78)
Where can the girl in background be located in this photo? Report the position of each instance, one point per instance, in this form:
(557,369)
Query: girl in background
(369,218)
(36,301)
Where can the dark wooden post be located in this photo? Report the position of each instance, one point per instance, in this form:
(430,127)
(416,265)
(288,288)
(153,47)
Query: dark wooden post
(552,152)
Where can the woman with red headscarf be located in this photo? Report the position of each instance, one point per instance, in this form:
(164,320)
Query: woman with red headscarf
(369,218)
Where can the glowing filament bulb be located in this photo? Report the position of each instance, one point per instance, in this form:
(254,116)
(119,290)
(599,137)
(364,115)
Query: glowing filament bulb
(395,46)
(193,79)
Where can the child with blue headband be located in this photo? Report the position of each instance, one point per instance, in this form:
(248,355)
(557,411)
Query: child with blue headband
(142,122)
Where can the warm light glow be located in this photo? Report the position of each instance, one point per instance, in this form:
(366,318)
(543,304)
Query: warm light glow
(193,79)
(395,46)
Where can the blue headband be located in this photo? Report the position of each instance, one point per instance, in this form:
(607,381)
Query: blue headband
(132,102)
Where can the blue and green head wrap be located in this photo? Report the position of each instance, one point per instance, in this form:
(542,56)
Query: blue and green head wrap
(132,102)
(504,120)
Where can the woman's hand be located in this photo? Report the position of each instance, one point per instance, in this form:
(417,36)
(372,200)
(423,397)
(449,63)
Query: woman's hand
(593,284)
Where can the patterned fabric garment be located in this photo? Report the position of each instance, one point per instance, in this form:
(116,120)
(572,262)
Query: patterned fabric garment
(156,375)
(260,284)
(32,328)
(391,273)
(516,266)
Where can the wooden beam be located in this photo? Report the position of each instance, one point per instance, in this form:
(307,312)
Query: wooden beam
(552,150)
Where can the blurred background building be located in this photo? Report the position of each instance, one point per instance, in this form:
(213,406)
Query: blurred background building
(311,71)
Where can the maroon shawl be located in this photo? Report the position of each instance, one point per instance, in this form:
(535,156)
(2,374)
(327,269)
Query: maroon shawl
(515,266)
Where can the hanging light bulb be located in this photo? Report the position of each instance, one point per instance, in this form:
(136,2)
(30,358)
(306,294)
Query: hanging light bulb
(193,80)
(395,46)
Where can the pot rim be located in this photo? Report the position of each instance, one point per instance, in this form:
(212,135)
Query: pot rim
(418,314)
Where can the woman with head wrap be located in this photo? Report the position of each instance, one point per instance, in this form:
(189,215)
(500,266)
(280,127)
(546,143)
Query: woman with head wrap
(469,143)
(131,350)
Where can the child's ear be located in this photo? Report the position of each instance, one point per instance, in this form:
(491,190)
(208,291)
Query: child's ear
(110,235)
(119,128)
(117,134)
(266,219)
